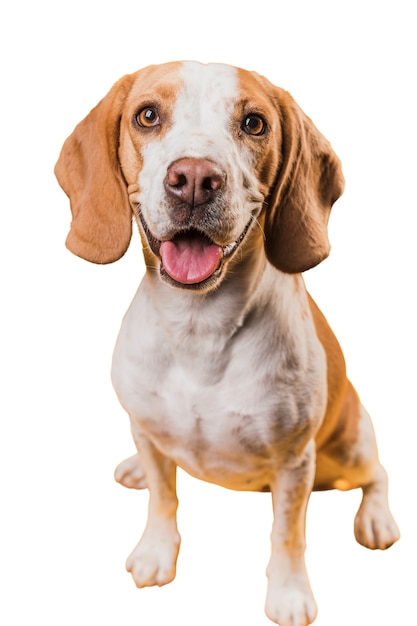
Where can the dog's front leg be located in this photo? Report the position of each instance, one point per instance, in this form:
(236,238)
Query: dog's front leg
(289,600)
(153,561)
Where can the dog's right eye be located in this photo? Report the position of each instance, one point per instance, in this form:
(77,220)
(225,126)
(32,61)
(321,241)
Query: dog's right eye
(254,125)
(148,117)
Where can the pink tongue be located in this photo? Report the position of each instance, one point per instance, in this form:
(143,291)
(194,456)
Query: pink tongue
(190,260)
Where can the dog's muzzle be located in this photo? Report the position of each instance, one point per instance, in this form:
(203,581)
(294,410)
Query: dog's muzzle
(190,257)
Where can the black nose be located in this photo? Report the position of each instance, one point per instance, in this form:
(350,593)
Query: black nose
(194,181)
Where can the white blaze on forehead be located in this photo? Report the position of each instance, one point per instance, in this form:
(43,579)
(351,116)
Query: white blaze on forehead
(200,124)
(205,103)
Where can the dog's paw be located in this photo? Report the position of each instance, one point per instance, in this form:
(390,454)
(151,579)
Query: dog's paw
(375,527)
(129,473)
(153,561)
(291,603)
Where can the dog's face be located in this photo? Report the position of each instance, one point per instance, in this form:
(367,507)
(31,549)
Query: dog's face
(198,147)
(208,158)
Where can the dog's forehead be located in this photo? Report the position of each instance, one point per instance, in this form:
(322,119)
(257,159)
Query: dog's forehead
(190,87)
(213,87)
(195,89)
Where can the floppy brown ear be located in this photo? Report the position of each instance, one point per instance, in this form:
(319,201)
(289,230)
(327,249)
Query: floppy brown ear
(88,171)
(309,181)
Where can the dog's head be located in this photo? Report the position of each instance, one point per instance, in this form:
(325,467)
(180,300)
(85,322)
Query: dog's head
(207,157)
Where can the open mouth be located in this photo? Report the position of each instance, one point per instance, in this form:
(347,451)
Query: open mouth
(191,259)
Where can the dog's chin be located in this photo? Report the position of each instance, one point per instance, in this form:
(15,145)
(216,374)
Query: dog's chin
(191,260)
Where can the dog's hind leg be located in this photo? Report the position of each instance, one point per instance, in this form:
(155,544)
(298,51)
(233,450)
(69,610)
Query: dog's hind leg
(375,527)
(350,461)
(130,473)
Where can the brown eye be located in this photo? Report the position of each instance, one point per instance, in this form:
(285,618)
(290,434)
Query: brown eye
(148,117)
(254,125)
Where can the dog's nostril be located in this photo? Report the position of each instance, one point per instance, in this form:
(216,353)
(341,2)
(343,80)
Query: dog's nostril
(207,184)
(176,179)
(181,181)
(213,183)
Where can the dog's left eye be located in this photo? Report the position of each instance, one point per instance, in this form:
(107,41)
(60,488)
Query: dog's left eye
(254,125)
(148,117)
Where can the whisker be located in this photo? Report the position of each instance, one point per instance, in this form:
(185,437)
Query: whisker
(258,224)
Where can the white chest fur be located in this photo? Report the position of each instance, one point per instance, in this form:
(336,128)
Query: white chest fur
(221,386)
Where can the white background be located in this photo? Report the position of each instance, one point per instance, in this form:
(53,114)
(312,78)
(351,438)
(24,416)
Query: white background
(66,527)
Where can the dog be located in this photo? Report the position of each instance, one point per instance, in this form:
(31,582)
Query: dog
(224,363)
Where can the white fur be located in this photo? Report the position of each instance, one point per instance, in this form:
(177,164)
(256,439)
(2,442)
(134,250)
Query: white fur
(185,379)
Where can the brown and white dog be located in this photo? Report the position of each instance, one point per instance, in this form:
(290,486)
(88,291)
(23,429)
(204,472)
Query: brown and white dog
(224,363)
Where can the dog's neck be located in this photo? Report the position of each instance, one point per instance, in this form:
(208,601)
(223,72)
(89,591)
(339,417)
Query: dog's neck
(191,319)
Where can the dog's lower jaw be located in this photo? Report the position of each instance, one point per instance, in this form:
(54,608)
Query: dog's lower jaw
(203,286)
